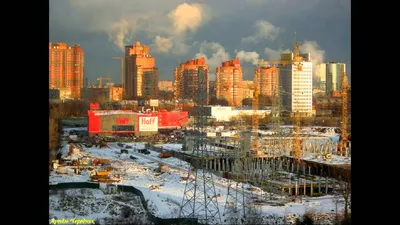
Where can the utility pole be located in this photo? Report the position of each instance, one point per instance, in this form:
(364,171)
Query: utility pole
(199,198)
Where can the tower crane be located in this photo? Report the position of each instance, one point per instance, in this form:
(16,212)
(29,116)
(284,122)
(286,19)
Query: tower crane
(344,124)
(254,119)
(280,63)
(100,79)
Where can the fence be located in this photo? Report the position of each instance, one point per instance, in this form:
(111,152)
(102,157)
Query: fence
(131,189)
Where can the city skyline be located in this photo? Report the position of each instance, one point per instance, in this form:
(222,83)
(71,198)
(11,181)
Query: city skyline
(210,30)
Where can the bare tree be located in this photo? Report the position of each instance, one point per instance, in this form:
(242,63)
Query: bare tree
(343,184)
(54,133)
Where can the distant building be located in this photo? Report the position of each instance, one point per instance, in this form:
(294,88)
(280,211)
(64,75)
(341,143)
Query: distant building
(66,68)
(225,113)
(54,94)
(65,93)
(191,79)
(165,85)
(266,80)
(116,93)
(229,80)
(331,76)
(212,88)
(141,75)
(248,88)
(108,93)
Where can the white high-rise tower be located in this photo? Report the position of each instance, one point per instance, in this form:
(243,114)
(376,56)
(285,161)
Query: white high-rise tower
(296,81)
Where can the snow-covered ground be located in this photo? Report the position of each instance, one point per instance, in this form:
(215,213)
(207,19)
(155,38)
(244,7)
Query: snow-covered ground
(165,201)
(94,204)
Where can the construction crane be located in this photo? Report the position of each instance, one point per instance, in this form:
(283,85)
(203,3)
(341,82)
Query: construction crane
(254,119)
(344,122)
(100,79)
(121,70)
(280,63)
(297,154)
(297,60)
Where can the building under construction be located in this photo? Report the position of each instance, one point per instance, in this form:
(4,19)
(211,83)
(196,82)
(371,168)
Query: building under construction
(102,93)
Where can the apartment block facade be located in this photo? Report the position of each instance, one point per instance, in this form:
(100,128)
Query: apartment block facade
(66,68)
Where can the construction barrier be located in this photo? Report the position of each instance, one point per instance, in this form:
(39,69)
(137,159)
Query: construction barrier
(74,185)
(131,189)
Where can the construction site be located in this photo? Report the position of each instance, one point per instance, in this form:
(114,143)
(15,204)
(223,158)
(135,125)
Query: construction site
(247,177)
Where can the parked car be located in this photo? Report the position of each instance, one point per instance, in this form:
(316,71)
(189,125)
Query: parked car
(144,151)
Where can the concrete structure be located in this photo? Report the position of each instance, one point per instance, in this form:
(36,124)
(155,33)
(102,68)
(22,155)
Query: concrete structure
(225,113)
(296,81)
(248,90)
(54,94)
(66,67)
(229,82)
(107,92)
(141,75)
(187,78)
(165,85)
(266,80)
(331,74)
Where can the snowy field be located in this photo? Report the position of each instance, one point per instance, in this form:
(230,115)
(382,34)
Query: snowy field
(94,204)
(165,201)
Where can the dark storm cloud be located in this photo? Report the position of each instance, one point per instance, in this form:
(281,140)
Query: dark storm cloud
(99,26)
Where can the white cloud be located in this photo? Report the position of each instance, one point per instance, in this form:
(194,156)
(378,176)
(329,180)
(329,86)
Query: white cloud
(248,57)
(274,54)
(264,30)
(214,53)
(186,17)
(122,20)
(316,53)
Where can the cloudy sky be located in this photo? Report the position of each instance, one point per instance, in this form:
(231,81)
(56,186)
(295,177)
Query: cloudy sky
(220,30)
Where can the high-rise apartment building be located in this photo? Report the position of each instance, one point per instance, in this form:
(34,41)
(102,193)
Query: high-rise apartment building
(66,66)
(266,80)
(191,81)
(141,75)
(331,76)
(229,80)
(296,80)
(165,85)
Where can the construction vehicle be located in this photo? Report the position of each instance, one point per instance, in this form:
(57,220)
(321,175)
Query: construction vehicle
(99,162)
(144,151)
(164,154)
(96,175)
(124,151)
